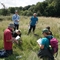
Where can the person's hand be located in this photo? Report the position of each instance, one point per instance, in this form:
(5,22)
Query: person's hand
(16,41)
(13,39)
(17,20)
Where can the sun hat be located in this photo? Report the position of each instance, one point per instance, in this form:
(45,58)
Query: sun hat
(11,25)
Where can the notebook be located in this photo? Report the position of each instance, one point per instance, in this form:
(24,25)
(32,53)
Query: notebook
(39,41)
(17,38)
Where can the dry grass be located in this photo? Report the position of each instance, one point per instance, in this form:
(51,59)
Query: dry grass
(29,48)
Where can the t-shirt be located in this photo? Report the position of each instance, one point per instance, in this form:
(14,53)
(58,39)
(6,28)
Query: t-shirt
(7,36)
(45,42)
(33,20)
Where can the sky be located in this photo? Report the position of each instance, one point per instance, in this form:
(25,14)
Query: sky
(18,3)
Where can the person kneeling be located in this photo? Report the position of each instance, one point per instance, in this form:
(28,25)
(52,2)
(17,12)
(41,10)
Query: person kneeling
(17,36)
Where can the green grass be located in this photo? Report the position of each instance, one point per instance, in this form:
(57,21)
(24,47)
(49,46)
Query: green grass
(29,48)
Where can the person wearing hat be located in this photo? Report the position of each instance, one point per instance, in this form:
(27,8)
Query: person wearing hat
(33,22)
(8,39)
(44,45)
(16,19)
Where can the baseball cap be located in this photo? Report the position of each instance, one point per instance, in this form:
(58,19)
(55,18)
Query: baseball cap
(45,31)
(11,25)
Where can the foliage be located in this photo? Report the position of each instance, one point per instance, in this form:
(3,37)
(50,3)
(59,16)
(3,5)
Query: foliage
(45,8)
(12,10)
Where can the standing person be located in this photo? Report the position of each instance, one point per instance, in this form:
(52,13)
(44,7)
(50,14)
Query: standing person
(15,19)
(33,22)
(8,39)
(48,27)
(44,45)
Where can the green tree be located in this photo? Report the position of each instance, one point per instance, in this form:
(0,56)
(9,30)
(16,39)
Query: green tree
(12,10)
(5,12)
(27,7)
(40,7)
(21,8)
(49,1)
(51,10)
(32,8)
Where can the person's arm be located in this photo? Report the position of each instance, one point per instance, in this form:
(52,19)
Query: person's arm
(13,17)
(29,23)
(9,38)
(42,46)
(18,18)
(37,21)
(12,40)
(30,20)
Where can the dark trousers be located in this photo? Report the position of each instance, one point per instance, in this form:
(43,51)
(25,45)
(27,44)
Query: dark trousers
(45,53)
(16,26)
(31,27)
(9,52)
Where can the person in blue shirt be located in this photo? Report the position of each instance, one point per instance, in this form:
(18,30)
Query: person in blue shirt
(33,22)
(16,19)
(44,45)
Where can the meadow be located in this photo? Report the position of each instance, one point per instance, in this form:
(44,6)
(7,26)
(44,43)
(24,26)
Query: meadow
(29,48)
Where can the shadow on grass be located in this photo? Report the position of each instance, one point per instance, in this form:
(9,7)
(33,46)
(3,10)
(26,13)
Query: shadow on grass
(36,35)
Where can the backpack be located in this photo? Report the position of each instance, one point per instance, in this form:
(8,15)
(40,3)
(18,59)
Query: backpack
(3,54)
(54,45)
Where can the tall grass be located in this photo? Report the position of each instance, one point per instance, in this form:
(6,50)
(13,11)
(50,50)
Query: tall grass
(29,48)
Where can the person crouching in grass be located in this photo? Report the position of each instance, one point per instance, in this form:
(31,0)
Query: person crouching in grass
(17,36)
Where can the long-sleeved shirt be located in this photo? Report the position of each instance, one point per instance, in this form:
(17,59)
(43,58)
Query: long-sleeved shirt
(15,18)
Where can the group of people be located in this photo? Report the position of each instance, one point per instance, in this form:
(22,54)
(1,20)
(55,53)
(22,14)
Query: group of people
(9,36)
(12,31)
(33,21)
